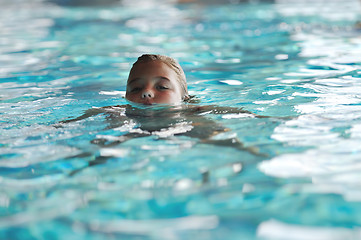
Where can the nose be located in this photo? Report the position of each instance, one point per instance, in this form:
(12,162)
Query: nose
(147,94)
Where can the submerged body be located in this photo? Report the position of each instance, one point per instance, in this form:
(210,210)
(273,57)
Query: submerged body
(163,121)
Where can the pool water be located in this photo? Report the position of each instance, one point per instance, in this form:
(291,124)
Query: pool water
(298,62)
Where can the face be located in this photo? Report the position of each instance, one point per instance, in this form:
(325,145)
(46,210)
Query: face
(153,82)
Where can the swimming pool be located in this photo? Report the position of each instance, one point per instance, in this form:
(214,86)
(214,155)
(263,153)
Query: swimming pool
(282,59)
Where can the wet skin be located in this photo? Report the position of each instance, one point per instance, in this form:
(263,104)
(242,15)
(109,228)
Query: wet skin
(153,82)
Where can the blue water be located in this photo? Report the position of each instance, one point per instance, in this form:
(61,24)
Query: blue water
(299,63)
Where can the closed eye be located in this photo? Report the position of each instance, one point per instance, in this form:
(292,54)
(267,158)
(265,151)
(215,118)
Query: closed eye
(163,87)
(136,89)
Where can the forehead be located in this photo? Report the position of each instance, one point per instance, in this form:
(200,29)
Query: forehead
(152,68)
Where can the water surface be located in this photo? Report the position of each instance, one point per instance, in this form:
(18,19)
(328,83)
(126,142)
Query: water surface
(297,60)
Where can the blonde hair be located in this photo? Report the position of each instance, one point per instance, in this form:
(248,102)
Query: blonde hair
(172,63)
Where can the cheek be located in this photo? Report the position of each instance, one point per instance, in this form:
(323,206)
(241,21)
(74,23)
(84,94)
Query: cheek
(169,97)
(131,97)
(163,95)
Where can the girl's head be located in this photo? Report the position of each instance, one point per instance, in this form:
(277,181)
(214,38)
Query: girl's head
(156,79)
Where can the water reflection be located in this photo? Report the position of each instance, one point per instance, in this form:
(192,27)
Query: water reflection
(278,230)
(24,47)
(72,59)
(326,125)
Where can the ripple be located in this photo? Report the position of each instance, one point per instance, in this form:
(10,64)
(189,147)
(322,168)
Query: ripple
(157,227)
(45,209)
(280,230)
(274,59)
(232,82)
(31,183)
(27,156)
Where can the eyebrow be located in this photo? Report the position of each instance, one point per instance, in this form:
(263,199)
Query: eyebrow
(163,78)
(133,80)
(137,79)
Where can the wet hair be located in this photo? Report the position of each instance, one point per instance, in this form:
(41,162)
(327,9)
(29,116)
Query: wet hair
(173,64)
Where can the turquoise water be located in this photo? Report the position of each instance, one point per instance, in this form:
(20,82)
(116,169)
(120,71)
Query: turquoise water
(297,60)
